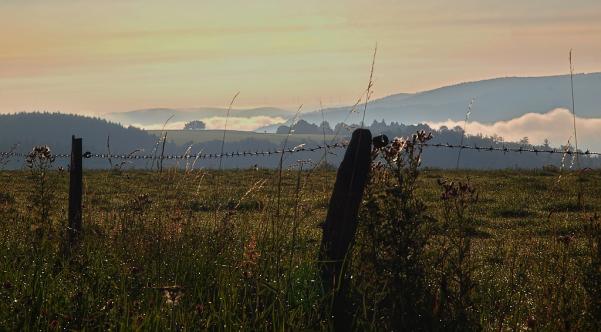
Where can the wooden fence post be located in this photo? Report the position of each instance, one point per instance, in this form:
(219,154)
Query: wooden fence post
(75,189)
(341,222)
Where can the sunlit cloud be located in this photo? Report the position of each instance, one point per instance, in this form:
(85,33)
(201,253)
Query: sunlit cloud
(556,126)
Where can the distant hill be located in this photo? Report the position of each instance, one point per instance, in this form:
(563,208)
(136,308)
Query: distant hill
(27,130)
(157,116)
(495,100)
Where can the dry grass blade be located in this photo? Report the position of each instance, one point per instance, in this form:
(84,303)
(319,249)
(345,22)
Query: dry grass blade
(369,85)
(225,128)
(155,150)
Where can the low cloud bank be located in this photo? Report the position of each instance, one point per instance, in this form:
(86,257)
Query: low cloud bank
(218,122)
(556,126)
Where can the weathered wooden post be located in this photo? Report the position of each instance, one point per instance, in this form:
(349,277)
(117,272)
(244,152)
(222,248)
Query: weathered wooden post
(341,222)
(75,189)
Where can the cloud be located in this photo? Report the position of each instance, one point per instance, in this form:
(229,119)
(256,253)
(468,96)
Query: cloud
(556,126)
(217,122)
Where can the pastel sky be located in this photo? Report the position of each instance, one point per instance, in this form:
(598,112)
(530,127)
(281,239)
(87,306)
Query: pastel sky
(94,57)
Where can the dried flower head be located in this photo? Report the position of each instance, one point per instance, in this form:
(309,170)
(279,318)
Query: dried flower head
(39,156)
(140,204)
(565,239)
(172,294)
(463,192)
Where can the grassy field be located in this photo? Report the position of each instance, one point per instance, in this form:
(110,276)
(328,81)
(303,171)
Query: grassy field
(212,250)
(181,137)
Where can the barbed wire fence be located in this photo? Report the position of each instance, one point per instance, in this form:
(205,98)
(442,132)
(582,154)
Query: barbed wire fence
(304,148)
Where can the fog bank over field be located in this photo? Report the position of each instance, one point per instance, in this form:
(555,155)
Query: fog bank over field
(218,122)
(557,126)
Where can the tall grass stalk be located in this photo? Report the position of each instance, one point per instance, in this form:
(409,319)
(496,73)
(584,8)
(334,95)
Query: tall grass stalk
(578,165)
(323,125)
(227,116)
(274,228)
(574,108)
(369,85)
(463,133)
(281,162)
(155,150)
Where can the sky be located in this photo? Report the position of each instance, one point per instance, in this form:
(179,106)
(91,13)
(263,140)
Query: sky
(96,57)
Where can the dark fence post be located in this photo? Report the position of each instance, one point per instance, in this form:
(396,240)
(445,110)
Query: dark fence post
(341,222)
(75,189)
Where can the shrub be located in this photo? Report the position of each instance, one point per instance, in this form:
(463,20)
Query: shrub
(39,162)
(454,307)
(392,237)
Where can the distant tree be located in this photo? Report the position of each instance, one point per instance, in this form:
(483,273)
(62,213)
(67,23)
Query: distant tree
(301,127)
(378,127)
(525,140)
(195,125)
(497,138)
(546,143)
(325,127)
(283,130)
(343,129)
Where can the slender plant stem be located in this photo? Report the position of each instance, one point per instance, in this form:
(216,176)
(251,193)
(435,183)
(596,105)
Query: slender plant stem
(323,125)
(467,116)
(578,166)
(369,85)
(156,147)
(574,109)
(225,128)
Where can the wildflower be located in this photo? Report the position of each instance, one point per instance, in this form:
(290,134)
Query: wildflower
(108,306)
(141,203)
(565,239)
(463,192)
(39,155)
(172,294)
(250,258)
(53,325)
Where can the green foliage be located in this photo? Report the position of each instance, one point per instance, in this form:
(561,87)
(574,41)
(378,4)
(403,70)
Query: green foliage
(389,264)
(150,259)
(455,306)
(195,125)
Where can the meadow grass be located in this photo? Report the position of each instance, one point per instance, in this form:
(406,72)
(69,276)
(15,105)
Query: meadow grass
(211,250)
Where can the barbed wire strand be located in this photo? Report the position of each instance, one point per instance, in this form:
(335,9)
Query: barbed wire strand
(301,148)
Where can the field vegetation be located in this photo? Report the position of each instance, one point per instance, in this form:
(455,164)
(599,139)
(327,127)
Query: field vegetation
(231,250)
